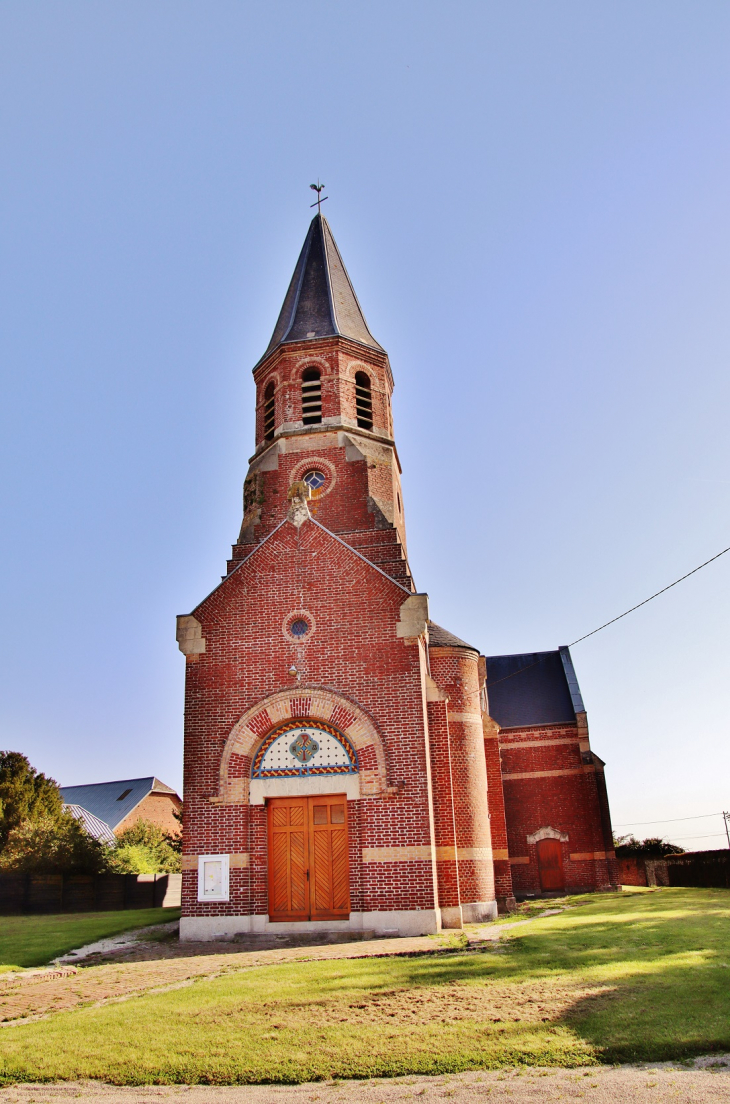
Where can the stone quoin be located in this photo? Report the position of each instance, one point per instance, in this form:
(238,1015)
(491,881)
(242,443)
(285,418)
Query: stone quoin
(350,765)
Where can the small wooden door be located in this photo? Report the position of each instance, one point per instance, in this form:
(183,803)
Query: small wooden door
(309,876)
(550,865)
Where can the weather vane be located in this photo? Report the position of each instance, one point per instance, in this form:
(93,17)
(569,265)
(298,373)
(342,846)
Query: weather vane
(318,188)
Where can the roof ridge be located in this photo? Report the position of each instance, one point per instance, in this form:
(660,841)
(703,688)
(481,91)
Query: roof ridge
(519,655)
(360,556)
(112,782)
(297,294)
(324,226)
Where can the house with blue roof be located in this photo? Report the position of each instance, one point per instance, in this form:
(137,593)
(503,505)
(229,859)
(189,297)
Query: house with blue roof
(108,808)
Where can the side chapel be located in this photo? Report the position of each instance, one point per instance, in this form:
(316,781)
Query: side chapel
(349,764)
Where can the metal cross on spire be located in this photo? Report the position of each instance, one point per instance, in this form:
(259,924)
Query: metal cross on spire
(318,188)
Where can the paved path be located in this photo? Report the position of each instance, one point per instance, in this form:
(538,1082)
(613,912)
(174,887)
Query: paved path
(123,967)
(603,1085)
(159,966)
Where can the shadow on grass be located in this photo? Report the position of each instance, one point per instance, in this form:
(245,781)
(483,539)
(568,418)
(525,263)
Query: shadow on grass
(665,961)
(676,1012)
(662,961)
(614,979)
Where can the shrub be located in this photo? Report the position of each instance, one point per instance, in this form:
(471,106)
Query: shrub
(145,849)
(653,845)
(53,845)
(36,835)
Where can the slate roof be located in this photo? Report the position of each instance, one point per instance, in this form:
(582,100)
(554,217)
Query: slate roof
(533,688)
(99,829)
(321,300)
(111,802)
(442,638)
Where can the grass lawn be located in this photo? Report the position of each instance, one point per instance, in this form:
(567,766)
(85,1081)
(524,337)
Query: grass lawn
(35,940)
(617,977)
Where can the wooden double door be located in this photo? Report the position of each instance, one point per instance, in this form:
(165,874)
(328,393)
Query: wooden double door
(309,875)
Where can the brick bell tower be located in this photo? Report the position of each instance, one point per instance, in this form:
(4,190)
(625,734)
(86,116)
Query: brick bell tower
(335,771)
(323,391)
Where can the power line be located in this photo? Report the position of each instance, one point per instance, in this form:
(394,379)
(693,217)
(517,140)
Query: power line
(613,620)
(676,820)
(662,591)
(708,835)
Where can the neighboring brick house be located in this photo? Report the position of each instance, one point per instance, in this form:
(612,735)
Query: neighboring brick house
(342,769)
(119,805)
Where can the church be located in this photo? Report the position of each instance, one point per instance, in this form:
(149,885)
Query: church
(349,764)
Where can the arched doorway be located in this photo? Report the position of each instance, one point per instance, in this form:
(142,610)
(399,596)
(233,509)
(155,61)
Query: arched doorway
(308,860)
(550,866)
(308,844)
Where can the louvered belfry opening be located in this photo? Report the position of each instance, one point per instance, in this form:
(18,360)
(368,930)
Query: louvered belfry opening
(363,401)
(269,411)
(311,396)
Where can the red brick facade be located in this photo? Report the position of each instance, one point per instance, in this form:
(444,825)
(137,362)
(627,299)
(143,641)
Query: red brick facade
(157,808)
(317,628)
(549,783)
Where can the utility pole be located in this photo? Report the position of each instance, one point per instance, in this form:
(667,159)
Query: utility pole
(726,817)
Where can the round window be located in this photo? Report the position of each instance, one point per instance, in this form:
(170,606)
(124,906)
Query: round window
(315,480)
(299,626)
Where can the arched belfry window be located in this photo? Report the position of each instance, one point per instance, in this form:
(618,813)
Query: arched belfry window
(363,401)
(269,411)
(311,396)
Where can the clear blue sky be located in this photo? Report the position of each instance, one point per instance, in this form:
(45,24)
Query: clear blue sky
(532,201)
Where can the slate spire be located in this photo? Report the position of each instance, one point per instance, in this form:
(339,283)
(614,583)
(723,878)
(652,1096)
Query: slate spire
(321,301)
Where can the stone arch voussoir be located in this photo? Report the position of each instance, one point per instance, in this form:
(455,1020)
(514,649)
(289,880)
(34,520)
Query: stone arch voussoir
(547,833)
(301,702)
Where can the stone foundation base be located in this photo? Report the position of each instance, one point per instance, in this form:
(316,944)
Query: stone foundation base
(451,917)
(404,922)
(506,904)
(476,912)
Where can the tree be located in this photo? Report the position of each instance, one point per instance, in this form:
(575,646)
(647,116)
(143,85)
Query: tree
(50,844)
(145,849)
(25,795)
(37,835)
(175,839)
(653,845)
